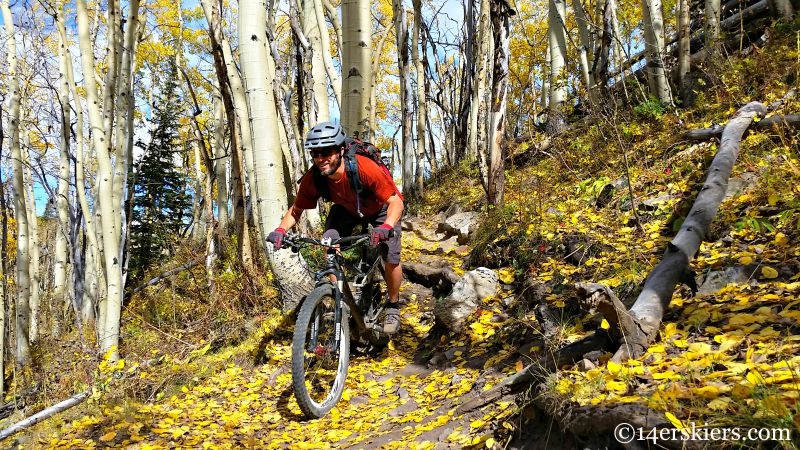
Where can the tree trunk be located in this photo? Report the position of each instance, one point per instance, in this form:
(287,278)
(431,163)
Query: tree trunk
(356,66)
(241,145)
(467,70)
(256,62)
(22,275)
(376,59)
(684,50)
(654,45)
(556,119)
(476,144)
(61,292)
(318,112)
(406,94)
(713,13)
(585,50)
(33,247)
(110,213)
(500,13)
(333,77)
(422,103)
(784,9)
(84,305)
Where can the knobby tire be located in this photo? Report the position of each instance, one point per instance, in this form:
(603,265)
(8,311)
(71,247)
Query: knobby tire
(318,370)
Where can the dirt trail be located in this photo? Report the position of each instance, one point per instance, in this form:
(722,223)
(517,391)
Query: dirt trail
(394,400)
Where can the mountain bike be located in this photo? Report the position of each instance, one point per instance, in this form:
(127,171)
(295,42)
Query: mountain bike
(345,307)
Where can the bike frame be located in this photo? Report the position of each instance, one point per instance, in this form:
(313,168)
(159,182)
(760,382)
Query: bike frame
(342,293)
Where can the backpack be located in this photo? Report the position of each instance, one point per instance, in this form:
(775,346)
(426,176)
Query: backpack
(354,147)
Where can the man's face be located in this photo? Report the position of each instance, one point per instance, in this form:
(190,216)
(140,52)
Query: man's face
(327,159)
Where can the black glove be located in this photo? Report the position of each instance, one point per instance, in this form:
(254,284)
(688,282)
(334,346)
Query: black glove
(276,237)
(379,234)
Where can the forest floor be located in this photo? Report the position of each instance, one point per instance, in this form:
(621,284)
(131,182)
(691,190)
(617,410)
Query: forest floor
(728,357)
(394,400)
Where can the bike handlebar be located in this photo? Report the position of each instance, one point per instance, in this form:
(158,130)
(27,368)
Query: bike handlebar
(348,241)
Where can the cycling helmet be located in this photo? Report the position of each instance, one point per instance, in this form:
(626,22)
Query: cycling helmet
(325,134)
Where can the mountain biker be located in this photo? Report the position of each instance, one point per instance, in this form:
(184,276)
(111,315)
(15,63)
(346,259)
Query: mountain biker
(381,207)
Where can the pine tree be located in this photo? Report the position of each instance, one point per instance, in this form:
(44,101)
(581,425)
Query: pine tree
(161,199)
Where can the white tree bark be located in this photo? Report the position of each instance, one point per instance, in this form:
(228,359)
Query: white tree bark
(684,40)
(406,94)
(221,160)
(585,50)
(313,31)
(653,22)
(60,291)
(476,146)
(109,196)
(33,246)
(712,26)
(418,56)
(333,76)
(558,51)
(785,9)
(22,274)
(242,154)
(84,306)
(271,199)
(356,66)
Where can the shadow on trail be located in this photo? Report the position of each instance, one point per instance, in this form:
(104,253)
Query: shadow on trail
(283,332)
(282,405)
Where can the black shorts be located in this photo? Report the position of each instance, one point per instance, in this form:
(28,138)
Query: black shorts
(341,220)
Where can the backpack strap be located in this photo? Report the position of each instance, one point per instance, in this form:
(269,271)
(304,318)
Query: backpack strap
(351,168)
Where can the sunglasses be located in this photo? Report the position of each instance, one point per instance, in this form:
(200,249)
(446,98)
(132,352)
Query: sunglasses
(323,152)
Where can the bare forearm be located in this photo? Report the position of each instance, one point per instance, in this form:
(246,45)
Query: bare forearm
(289,219)
(394,211)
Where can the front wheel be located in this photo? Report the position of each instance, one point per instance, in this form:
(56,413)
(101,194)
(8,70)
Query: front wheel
(319,366)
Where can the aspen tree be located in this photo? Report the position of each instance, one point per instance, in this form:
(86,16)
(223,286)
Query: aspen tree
(22,275)
(356,66)
(406,108)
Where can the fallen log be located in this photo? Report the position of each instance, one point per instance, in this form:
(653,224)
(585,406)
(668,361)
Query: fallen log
(636,335)
(163,276)
(44,414)
(704,134)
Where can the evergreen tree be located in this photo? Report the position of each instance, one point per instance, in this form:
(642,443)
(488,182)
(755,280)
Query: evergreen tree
(161,199)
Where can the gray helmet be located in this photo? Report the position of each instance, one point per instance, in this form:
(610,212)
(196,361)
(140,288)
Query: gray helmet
(325,134)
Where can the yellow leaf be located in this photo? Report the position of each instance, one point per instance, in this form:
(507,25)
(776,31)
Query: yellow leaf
(108,436)
(675,421)
(617,386)
(605,325)
(519,366)
(506,275)
(477,423)
(773,198)
(490,443)
(613,368)
(781,239)
(745,260)
(719,404)
(769,272)
(707,392)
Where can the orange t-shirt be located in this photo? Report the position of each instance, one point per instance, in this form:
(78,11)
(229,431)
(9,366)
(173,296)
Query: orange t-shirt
(373,179)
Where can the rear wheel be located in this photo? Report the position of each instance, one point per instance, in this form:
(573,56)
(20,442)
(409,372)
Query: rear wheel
(319,366)
(374,339)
